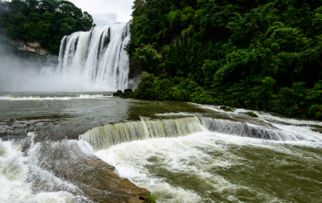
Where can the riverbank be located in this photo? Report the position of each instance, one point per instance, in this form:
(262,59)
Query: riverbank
(290,105)
(263,55)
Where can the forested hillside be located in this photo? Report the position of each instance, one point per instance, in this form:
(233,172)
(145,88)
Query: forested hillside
(43,21)
(264,55)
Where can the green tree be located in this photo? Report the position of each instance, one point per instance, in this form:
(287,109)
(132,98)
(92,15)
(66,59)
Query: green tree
(263,55)
(44,21)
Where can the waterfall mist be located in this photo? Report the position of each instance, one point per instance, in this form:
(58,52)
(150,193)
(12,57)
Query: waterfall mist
(20,71)
(88,61)
(21,75)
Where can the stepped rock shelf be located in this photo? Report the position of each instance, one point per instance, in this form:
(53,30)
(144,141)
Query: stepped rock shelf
(107,149)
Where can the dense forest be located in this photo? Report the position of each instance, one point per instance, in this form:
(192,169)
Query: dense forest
(43,21)
(264,55)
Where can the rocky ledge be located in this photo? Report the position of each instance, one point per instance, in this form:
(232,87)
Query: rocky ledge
(33,47)
(96,180)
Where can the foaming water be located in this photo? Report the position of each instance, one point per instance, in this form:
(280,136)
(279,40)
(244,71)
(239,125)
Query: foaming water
(179,153)
(47,98)
(212,167)
(20,174)
(267,117)
(219,161)
(112,134)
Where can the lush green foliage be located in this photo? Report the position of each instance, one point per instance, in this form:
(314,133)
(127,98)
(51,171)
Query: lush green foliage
(263,55)
(44,21)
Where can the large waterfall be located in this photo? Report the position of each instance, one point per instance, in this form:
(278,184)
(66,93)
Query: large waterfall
(98,56)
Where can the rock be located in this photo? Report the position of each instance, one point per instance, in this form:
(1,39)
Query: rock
(317,129)
(128,91)
(118,93)
(33,47)
(251,114)
(95,178)
(109,187)
(126,94)
(226,108)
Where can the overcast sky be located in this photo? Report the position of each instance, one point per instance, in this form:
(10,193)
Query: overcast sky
(105,11)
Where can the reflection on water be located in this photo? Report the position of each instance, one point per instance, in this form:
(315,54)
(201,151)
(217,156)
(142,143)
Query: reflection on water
(58,115)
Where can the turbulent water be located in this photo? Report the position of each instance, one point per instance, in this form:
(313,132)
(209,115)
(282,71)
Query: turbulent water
(180,152)
(24,179)
(69,147)
(99,56)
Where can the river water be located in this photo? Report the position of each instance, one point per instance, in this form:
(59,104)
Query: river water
(57,148)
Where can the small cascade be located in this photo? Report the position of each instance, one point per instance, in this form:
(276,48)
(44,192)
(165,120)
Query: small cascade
(98,56)
(245,129)
(112,134)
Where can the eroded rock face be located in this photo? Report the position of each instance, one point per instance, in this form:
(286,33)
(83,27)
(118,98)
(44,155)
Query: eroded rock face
(96,179)
(33,47)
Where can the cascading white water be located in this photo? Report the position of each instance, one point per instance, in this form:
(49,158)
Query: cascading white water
(98,56)
(24,177)
(112,134)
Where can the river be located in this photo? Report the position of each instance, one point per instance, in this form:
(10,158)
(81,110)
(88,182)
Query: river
(63,147)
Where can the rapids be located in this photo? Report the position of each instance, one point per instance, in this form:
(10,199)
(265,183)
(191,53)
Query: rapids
(223,161)
(71,147)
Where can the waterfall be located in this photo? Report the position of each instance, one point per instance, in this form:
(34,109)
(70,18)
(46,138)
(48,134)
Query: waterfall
(99,56)
(245,129)
(112,134)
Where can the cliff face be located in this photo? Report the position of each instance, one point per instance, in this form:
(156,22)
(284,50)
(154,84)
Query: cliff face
(17,46)
(33,47)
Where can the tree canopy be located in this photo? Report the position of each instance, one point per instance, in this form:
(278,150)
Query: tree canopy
(264,55)
(44,21)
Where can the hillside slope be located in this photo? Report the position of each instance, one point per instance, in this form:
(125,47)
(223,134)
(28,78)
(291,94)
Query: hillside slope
(264,55)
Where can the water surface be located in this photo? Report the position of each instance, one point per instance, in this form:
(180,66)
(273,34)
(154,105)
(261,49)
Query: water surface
(181,152)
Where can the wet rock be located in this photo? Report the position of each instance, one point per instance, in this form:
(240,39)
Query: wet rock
(317,129)
(118,93)
(126,94)
(95,178)
(106,181)
(226,108)
(251,114)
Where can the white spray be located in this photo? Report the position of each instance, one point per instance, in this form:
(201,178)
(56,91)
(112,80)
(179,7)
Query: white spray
(99,56)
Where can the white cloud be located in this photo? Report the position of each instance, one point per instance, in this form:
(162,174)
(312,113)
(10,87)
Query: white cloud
(105,11)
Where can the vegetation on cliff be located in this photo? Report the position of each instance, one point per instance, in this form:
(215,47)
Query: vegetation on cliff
(43,21)
(265,55)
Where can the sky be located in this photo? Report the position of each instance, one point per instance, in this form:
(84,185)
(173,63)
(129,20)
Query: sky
(106,11)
